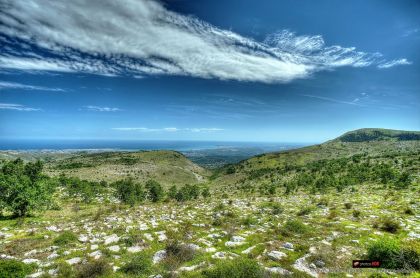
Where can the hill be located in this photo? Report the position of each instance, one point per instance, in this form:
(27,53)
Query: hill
(379,146)
(166,167)
(377,134)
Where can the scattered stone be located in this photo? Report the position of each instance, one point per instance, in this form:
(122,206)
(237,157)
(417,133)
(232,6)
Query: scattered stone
(96,255)
(53,229)
(319,263)
(73,261)
(219,255)
(276,255)
(134,249)
(288,245)
(248,250)
(30,261)
(159,256)
(114,248)
(111,239)
(83,238)
(278,270)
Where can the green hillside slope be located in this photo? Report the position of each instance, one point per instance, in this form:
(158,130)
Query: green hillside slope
(166,167)
(280,167)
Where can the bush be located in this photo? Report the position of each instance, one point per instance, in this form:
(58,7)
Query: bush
(237,268)
(172,192)
(188,192)
(409,211)
(65,238)
(392,255)
(154,191)
(139,264)
(294,226)
(14,269)
(387,224)
(129,192)
(356,213)
(205,192)
(93,269)
(177,253)
(305,211)
(24,188)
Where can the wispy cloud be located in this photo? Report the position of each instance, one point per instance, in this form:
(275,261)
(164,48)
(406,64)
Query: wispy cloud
(140,38)
(354,102)
(17,107)
(394,63)
(101,109)
(167,129)
(13,85)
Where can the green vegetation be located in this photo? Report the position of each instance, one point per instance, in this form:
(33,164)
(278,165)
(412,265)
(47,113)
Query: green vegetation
(23,188)
(14,269)
(393,256)
(238,268)
(138,264)
(129,192)
(144,214)
(65,238)
(376,134)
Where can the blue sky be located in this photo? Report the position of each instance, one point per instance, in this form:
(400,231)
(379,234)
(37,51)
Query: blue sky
(286,71)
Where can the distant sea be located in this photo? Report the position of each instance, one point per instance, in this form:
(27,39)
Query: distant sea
(137,145)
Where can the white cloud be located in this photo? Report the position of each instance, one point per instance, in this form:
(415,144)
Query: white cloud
(167,129)
(354,102)
(17,107)
(101,109)
(13,85)
(138,38)
(394,63)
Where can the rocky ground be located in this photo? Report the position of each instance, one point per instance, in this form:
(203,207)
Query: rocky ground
(299,235)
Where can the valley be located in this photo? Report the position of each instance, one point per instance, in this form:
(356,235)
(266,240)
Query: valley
(306,212)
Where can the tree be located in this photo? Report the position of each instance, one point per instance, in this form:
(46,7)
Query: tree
(172,192)
(129,192)
(23,187)
(155,191)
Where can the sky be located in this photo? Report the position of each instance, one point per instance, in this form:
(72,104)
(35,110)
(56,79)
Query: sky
(239,70)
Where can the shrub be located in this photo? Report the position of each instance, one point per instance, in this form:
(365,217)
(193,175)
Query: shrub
(177,253)
(294,226)
(93,269)
(356,213)
(205,192)
(387,224)
(333,214)
(65,238)
(172,192)
(139,264)
(323,202)
(409,211)
(14,269)
(129,192)
(188,192)
(64,270)
(392,255)
(154,191)
(305,211)
(237,268)
(248,221)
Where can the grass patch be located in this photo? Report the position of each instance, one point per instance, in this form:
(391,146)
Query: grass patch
(14,269)
(139,264)
(65,238)
(237,268)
